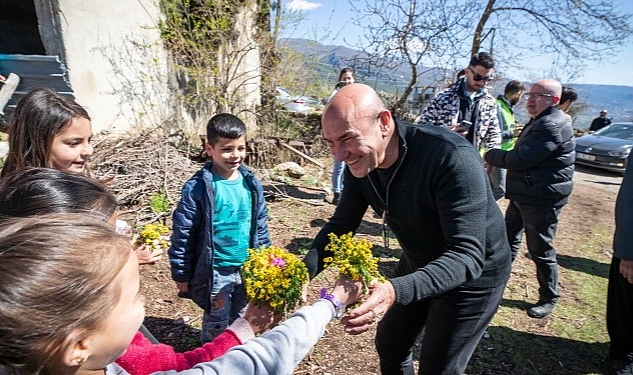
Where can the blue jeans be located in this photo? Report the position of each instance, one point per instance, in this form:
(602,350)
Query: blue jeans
(453,324)
(539,225)
(228,299)
(337,176)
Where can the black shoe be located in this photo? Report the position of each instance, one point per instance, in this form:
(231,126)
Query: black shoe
(336,199)
(616,367)
(541,310)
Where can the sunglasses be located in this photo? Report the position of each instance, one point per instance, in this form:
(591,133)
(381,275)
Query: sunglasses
(479,77)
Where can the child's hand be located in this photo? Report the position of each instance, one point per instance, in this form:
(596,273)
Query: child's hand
(147,254)
(261,317)
(304,293)
(183,286)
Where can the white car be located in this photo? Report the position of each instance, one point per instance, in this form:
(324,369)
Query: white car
(291,102)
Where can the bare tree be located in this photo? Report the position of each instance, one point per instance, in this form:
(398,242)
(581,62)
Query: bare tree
(440,33)
(402,33)
(569,32)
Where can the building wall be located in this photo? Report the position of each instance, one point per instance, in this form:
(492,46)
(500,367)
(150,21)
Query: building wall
(118,67)
(116,64)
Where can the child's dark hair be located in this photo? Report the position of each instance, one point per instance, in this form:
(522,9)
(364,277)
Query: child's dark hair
(37,119)
(37,191)
(224,125)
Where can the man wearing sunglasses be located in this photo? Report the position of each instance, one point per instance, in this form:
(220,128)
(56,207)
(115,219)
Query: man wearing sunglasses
(539,182)
(466,108)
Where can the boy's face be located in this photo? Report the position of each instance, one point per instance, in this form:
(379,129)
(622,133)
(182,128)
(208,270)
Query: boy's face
(227,155)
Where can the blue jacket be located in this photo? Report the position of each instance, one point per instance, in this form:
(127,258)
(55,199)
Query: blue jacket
(191,251)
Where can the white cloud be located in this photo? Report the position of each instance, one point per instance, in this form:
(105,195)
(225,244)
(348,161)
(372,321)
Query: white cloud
(301,5)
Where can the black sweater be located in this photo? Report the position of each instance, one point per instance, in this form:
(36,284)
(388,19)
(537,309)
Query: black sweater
(440,207)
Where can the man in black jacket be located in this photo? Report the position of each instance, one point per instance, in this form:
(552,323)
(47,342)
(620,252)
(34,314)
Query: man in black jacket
(620,291)
(600,122)
(429,186)
(540,170)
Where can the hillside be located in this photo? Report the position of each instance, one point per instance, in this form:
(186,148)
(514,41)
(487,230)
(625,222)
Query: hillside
(592,98)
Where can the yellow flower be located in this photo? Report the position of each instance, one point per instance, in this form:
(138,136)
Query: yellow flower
(155,235)
(275,276)
(353,258)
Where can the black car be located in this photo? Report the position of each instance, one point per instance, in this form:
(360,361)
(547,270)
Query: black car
(607,148)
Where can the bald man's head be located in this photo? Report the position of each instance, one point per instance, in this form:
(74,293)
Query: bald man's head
(359,130)
(543,94)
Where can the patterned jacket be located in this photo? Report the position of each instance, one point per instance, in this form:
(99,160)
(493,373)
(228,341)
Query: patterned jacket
(444,110)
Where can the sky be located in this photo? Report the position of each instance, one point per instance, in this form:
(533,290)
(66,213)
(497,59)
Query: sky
(328,21)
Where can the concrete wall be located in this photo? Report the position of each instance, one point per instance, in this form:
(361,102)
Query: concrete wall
(248,66)
(119,69)
(116,64)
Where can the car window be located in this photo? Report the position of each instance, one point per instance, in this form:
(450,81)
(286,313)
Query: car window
(620,131)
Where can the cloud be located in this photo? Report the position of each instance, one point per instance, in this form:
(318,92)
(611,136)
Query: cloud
(300,5)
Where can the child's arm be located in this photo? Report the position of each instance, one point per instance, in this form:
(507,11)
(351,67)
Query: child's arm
(185,222)
(143,358)
(263,236)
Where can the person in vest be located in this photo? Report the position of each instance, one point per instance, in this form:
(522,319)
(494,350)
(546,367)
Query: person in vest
(568,98)
(512,94)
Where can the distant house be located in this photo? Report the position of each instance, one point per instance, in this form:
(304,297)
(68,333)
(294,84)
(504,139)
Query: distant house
(113,58)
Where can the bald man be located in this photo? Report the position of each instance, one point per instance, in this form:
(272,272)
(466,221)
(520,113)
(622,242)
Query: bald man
(428,184)
(540,171)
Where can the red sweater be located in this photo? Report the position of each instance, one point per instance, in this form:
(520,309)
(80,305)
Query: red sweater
(143,358)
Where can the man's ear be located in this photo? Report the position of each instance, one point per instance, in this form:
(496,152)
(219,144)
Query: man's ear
(555,100)
(75,349)
(385,119)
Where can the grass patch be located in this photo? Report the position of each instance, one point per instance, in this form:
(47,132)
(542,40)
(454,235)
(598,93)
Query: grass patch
(573,340)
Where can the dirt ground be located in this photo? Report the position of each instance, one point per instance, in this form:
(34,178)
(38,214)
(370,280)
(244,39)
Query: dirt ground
(293,224)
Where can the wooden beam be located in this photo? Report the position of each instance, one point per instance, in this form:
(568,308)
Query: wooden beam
(314,161)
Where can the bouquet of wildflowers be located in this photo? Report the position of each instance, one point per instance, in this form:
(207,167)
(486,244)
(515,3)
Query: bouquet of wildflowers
(155,235)
(275,276)
(353,258)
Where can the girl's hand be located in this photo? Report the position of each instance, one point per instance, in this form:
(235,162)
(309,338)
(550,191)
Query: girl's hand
(147,254)
(261,317)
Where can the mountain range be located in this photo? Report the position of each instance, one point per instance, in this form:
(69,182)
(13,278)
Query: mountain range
(618,100)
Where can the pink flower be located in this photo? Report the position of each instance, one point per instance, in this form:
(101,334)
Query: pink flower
(278,261)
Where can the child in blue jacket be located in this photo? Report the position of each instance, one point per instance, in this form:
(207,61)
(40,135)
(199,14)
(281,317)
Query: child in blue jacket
(220,215)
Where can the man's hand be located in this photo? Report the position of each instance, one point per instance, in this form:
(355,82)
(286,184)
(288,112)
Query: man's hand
(459,130)
(626,269)
(381,297)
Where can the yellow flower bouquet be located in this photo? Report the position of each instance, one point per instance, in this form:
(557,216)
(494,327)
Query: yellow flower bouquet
(275,276)
(155,235)
(353,258)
